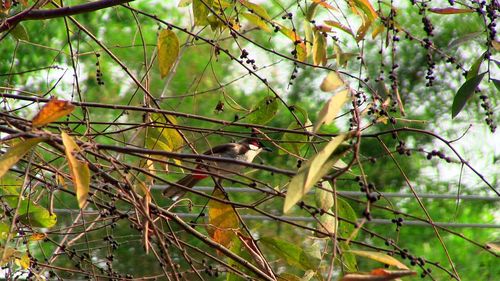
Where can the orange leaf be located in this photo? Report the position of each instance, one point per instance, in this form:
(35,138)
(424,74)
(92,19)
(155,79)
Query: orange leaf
(222,220)
(450,11)
(339,26)
(378,274)
(52,111)
(37,236)
(324,4)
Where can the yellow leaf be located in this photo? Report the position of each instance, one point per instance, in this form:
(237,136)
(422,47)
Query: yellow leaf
(256,20)
(496,45)
(15,153)
(327,223)
(52,111)
(310,173)
(309,39)
(168,51)
(200,11)
(24,261)
(79,170)
(377,30)
(331,82)
(362,30)
(367,9)
(222,220)
(256,9)
(331,109)
(300,46)
(380,257)
(319,48)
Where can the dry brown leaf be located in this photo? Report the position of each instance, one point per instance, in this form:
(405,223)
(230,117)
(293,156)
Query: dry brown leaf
(52,111)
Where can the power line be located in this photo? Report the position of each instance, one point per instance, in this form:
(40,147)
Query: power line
(358,194)
(310,219)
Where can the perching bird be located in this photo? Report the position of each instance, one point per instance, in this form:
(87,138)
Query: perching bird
(244,150)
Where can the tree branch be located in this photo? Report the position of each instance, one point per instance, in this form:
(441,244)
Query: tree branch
(38,14)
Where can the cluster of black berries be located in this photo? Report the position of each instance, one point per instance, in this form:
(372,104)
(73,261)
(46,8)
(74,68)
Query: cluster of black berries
(209,269)
(430,70)
(428,27)
(244,58)
(98,71)
(287,16)
(398,222)
(491,13)
(486,105)
(402,149)
(439,154)
(294,73)
(372,194)
(111,241)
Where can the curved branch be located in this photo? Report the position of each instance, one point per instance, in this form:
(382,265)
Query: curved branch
(39,14)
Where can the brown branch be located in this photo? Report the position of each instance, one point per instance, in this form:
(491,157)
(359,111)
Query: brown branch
(39,14)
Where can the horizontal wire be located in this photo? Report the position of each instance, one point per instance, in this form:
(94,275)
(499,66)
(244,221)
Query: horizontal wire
(358,194)
(310,219)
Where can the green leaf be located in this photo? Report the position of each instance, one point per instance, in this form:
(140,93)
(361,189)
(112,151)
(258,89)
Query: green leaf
(184,3)
(311,11)
(15,153)
(380,257)
(345,211)
(496,82)
(331,109)
(168,139)
(291,253)
(4,231)
(474,69)
(200,11)
(348,259)
(465,93)
(310,173)
(465,38)
(36,216)
(256,20)
(19,32)
(168,51)
(294,142)
(30,213)
(264,111)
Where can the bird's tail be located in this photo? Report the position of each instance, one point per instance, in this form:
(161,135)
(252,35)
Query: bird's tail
(175,192)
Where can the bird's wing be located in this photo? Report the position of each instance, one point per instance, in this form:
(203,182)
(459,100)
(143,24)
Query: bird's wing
(217,150)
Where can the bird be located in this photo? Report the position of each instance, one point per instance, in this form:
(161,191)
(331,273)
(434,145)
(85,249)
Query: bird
(244,150)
